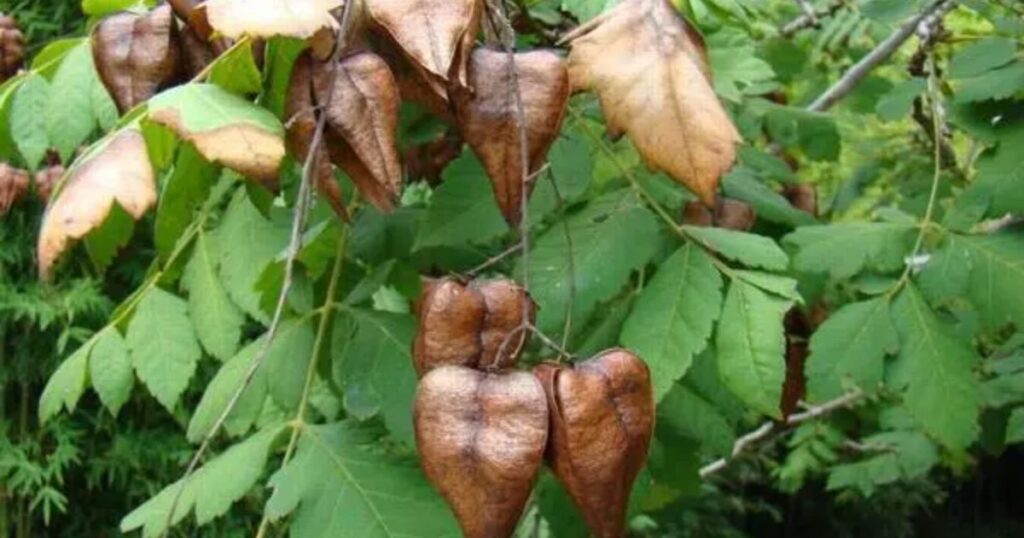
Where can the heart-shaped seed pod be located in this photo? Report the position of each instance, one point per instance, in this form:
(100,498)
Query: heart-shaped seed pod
(451,318)
(507,304)
(481,438)
(602,419)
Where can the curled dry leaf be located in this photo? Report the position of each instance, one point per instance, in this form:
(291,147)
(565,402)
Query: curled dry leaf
(602,419)
(471,325)
(137,54)
(117,171)
(481,438)
(13,185)
(264,18)
(362,101)
(488,117)
(300,111)
(12,47)
(434,35)
(647,66)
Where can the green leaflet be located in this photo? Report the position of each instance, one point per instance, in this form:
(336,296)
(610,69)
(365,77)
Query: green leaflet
(183,193)
(897,103)
(845,249)
(27,119)
(248,242)
(849,349)
(686,413)
(742,184)
(903,455)
(237,71)
(288,361)
(996,277)
(982,56)
(217,321)
(999,83)
(372,365)
(610,238)
(1001,172)
(337,486)
(163,345)
(748,249)
(672,319)
(934,369)
(1015,427)
(69,111)
(463,210)
(750,346)
(110,370)
(212,489)
(66,385)
(223,386)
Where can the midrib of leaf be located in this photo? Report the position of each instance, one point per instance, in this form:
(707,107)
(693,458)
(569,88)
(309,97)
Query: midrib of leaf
(347,475)
(758,367)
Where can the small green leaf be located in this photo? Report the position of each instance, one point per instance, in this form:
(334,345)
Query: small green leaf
(66,385)
(220,391)
(996,84)
(463,210)
(742,184)
(237,71)
(1015,427)
(183,192)
(981,56)
(110,370)
(934,367)
(69,110)
(372,365)
(845,249)
(211,491)
(996,277)
(337,485)
(163,345)
(27,118)
(749,249)
(672,319)
(783,286)
(850,349)
(686,413)
(99,8)
(750,345)
(217,321)
(288,363)
(898,102)
(903,455)
(611,237)
(1000,172)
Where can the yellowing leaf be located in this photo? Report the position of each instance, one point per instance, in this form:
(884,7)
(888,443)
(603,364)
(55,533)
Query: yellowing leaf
(225,128)
(120,171)
(647,65)
(434,35)
(268,18)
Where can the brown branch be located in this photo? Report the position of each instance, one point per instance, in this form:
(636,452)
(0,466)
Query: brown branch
(768,428)
(881,53)
(302,205)
(810,18)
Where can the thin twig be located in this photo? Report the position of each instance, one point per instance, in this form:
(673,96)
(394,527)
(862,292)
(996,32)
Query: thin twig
(881,53)
(302,205)
(768,428)
(810,19)
(494,260)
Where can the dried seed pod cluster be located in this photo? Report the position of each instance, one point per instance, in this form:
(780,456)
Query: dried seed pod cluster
(13,185)
(727,213)
(484,429)
(12,47)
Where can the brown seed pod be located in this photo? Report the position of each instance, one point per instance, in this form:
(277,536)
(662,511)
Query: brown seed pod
(481,438)
(451,318)
(12,47)
(137,55)
(695,213)
(803,197)
(47,180)
(506,302)
(734,215)
(13,185)
(602,420)
(488,118)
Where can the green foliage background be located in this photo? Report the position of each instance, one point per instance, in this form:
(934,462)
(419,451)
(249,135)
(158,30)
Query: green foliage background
(112,375)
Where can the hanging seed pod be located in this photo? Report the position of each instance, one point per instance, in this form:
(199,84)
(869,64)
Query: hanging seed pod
(734,215)
(695,213)
(489,116)
(503,334)
(47,179)
(12,47)
(137,55)
(13,185)
(481,438)
(602,419)
(803,197)
(451,318)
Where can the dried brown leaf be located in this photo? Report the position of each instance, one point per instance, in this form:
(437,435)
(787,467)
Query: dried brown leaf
(362,101)
(488,117)
(137,55)
(300,111)
(647,65)
(481,438)
(602,419)
(119,171)
(265,18)
(435,36)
